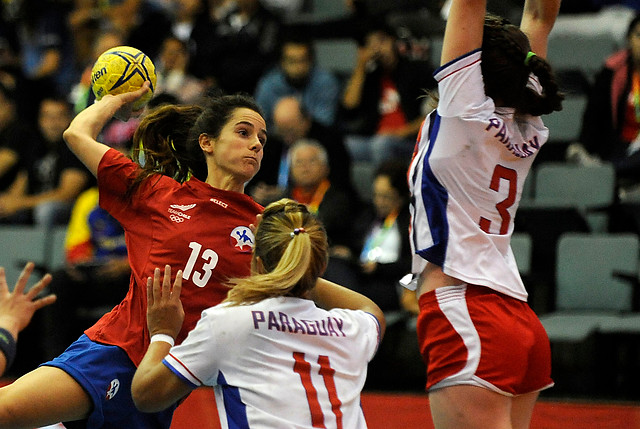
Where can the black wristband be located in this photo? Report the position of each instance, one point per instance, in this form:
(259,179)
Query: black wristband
(7,346)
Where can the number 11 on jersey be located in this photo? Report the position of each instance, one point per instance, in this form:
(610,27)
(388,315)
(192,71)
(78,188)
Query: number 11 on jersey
(303,368)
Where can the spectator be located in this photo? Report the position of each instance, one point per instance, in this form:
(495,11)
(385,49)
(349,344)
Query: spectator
(173,75)
(15,137)
(385,252)
(381,104)
(611,127)
(243,44)
(195,22)
(47,58)
(298,75)
(293,123)
(51,177)
(16,310)
(334,206)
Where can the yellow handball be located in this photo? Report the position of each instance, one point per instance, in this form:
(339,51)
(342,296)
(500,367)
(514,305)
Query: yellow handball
(123,69)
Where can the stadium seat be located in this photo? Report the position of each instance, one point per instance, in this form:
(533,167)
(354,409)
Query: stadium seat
(565,125)
(591,190)
(338,55)
(592,287)
(22,243)
(580,52)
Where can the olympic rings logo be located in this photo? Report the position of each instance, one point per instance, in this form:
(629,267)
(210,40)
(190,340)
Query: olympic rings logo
(176,219)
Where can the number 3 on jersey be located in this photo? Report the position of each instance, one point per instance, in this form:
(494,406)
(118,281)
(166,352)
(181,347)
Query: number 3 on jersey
(210,258)
(303,368)
(511,177)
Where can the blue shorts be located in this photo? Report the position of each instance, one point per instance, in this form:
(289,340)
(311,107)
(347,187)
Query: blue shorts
(105,373)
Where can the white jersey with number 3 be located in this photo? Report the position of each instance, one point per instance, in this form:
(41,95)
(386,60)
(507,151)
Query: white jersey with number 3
(280,363)
(466,179)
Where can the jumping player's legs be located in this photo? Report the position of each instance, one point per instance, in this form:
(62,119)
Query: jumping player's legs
(469,407)
(474,407)
(44,396)
(522,410)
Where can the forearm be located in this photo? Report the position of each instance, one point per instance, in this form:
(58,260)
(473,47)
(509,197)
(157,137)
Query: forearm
(538,18)
(330,295)
(352,95)
(71,184)
(149,388)
(83,131)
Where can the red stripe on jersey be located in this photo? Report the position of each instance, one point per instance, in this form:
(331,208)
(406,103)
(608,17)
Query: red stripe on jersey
(185,368)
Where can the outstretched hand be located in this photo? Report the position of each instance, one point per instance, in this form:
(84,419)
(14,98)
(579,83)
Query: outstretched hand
(17,307)
(164,308)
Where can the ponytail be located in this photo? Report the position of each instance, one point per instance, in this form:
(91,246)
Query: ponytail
(162,146)
(290,254)
(507,64)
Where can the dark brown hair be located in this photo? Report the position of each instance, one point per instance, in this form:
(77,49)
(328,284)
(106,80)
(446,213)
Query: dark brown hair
(166,141)
(506,73)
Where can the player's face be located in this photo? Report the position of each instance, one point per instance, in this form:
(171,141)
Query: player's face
(238,150)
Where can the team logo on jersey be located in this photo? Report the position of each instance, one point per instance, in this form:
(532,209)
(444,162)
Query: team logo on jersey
(242,239)
(177,214)
(113,388)
(183,207)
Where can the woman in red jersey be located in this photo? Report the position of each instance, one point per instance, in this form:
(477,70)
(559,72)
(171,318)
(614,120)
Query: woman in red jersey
(181,204)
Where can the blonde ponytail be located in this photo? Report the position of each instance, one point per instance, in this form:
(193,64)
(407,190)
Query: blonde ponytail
(290,254)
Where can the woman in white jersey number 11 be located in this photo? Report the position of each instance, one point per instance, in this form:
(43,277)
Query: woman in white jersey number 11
(486,352)
(275,359)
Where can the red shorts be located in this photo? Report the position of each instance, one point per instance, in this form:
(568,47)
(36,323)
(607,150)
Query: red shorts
(475,336)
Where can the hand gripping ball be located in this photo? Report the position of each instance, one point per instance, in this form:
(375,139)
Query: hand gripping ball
(123,69)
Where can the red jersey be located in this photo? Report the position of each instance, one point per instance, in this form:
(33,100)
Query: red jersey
(191,226)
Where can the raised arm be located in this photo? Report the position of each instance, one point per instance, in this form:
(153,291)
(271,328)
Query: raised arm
(154,386)
(538,19)
(84,129)
(463,32)
(329,295)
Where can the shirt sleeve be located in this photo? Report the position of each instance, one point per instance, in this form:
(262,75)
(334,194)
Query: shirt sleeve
(461,88)
(195,359)
(367,329)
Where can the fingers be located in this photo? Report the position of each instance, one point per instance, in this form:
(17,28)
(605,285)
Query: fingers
(150,300)
(24,276)
(158,290)
(157,287)
(254,226)
(44,301)
(177,286)
(4,288)
(166,283)
(39,287)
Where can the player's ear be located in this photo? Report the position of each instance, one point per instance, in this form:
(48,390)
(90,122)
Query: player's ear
(206,143)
